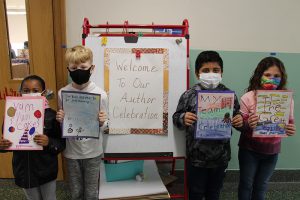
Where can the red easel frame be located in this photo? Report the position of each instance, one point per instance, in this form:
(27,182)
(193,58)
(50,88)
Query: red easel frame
(184,27)
(184,33)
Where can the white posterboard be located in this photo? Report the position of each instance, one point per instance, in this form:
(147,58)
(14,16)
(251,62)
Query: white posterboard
(24,119)
(174,141)
(130,81)
(273,110)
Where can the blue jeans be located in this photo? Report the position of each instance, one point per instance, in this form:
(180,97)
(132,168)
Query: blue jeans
(256,170)
(205,182)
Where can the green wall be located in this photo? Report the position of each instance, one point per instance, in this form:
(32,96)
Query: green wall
(238,68)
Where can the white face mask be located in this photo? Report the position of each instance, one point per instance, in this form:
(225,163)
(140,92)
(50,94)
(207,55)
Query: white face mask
(33,94)
(210,80)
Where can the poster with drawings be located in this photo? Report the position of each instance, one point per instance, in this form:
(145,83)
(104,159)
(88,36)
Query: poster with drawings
(81,114)
(24,118)
(273,110)
(214,112)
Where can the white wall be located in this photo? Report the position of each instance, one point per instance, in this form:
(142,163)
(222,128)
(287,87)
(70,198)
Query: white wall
(17,28)
(237,25)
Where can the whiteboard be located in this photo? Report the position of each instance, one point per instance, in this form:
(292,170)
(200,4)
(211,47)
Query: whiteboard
(174,141)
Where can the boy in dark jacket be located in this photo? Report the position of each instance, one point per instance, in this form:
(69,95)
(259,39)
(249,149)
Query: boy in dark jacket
(207,160)
(36,171)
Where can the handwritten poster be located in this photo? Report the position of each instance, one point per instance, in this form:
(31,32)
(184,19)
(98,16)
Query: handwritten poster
(136,81)
(23,119)
(214,112)
(273,110)
(81,114)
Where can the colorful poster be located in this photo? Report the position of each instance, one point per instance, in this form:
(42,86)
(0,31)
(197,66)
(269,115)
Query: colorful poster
(136,81)
(273,110)
(81,114)
(24,118)
(214,112)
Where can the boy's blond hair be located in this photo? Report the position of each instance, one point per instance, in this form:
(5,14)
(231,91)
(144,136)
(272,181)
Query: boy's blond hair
(79,54)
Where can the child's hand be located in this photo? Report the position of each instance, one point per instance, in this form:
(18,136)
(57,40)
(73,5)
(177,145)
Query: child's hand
(290,129)
(4,143)
(237,121)
(102,118)
(189,118)
(252,120)
(42,140)
(60,116)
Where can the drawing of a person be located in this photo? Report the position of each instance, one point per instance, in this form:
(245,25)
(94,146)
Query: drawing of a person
(227,118)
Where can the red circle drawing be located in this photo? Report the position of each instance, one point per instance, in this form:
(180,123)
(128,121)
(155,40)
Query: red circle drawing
(37,114)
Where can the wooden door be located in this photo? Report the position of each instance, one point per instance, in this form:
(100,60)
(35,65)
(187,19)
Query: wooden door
(44,21)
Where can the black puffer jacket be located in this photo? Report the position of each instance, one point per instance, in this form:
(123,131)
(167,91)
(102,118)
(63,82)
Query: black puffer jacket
(201,152)
(34,168)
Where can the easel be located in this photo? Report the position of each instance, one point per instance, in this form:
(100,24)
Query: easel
(153,27)
(151,30)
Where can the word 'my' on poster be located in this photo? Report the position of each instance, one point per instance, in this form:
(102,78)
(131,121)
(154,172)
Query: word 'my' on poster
(214,112)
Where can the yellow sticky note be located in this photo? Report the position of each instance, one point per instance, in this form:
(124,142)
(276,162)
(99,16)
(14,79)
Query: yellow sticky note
(103,41)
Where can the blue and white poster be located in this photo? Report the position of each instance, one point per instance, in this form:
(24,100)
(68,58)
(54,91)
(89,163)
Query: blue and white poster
(273,110)
(81,114)
(214,113)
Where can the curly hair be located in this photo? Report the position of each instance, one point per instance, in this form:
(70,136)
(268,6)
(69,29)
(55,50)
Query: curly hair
(34,77)
(263,65)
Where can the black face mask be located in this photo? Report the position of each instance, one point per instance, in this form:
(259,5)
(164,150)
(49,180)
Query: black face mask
(80,76)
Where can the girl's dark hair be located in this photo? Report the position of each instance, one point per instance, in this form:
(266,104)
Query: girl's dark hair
(34,77)
(263,65)
(208,56)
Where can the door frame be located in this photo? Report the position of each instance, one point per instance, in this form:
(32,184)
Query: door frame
(51,15)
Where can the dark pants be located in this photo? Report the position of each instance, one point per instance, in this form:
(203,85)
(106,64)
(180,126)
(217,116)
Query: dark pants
(255,171)
(205,182)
